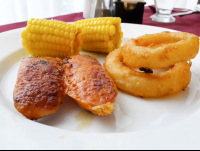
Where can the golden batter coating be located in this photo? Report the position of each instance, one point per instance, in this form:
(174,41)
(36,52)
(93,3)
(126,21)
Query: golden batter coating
(39,89)
(89,84)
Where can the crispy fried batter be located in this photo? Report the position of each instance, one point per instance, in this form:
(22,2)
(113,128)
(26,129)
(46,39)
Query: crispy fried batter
(161,50)
(39,89)
(147,85)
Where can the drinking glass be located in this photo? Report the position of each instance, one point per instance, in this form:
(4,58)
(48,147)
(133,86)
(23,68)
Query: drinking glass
(163,11)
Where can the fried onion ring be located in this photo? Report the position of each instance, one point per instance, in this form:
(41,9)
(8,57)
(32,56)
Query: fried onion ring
(147,84)
(161,50)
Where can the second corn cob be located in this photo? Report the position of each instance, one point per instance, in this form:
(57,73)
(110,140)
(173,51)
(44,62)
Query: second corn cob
(51,38)
(101,34)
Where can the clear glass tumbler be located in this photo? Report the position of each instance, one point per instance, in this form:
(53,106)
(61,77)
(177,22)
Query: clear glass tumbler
(163,11)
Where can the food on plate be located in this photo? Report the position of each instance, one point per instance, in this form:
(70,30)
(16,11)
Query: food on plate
(89,84)
(161,50)
(101,34)
(147,84)
(155,51)
(51,38)
(43,81)
(39,89)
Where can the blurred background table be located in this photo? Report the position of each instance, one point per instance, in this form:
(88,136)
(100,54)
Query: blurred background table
(15,13)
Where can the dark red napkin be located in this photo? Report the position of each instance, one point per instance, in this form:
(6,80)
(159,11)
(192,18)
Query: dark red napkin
(65,18)
(186,23)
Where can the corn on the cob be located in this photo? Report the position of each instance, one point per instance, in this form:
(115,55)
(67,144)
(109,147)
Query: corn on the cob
(101,34)
(51,38)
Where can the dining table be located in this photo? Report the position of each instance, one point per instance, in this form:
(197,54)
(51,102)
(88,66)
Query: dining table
(166,137)
(185,23)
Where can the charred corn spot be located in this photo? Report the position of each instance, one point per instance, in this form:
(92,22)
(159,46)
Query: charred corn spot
(51,38)
(100,34)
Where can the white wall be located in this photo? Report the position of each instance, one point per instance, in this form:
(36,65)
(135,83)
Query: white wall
(21,10)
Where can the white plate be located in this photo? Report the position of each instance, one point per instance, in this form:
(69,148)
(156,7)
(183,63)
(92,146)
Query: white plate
(166,123)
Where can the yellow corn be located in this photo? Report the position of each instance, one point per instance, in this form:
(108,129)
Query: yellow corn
(51,38)
(101,34)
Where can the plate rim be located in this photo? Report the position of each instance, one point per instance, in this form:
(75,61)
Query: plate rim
(116,142)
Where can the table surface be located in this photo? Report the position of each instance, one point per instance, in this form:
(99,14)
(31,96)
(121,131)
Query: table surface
(15,13)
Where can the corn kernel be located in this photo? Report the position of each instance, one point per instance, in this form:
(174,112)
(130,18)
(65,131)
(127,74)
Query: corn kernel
(95,29)
(58,47)
(37,44)
(30,21)
(98,22)
(67,28)
(37,28)
(33,28)
(73,30)
(58,26)
(29,44)
(44,37)
(110,44)
(43,23)
(103,22)
(47,24)
(34,22)
(24,34)
(51,24)
(42,29)
(29,36)
(106,37)
(46,45)
(101,37)
(34,37)
(72,44)
(50,45)
(112,30)
(62,41)
(63,48)
(57,40)
(72,36)
(49,38)
(53,40)
(121,34)
(54,46)
(51,31)
(67,42)
(97,37)
(41,44)
(57,32)
(55,25)
(103,29)
(66,34)
(28,28)
(62,33)
(24,42)
(63,27)
(99,29)
(39,22)
(109,22)
(46,30)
